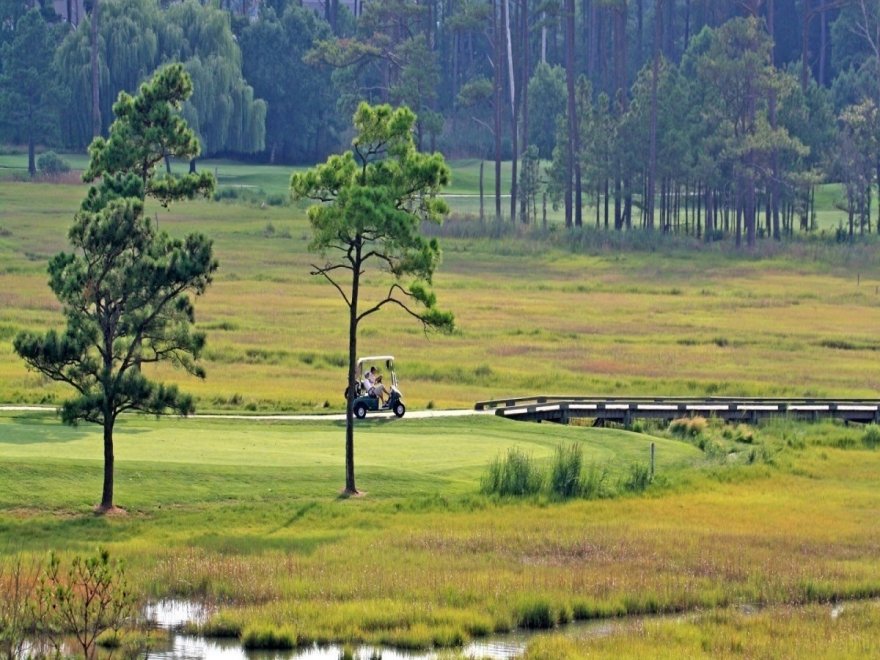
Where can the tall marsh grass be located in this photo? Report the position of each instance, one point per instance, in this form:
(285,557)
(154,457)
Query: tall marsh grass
(871,436)
(518,475)
(565,474)
(267,637)
(514,475)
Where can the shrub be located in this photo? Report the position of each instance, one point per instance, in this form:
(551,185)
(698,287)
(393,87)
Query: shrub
(688,427)
(221,625)
(871,437)
(536,614)
(565,476)
(713,449)
(515,475)
(638,479)
(268,637)
(743,433)
(51,163)
(593,483)
(553,647)
(88,598)
(759,455)
(239,193)
(18,584)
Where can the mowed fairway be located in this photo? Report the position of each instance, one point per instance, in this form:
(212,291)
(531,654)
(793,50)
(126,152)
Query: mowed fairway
(161,460)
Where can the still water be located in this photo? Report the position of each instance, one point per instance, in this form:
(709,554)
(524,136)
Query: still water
(170,614)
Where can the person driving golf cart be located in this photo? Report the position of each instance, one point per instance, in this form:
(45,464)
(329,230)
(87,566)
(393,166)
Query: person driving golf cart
(369,380)
(373,394)
(379,391)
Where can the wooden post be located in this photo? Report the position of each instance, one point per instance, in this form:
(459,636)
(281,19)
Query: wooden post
(653,454)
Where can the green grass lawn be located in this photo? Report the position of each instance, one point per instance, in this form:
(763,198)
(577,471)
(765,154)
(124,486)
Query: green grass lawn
(180,461)
(262,182)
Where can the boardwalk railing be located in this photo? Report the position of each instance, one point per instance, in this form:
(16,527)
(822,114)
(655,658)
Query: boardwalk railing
(625,410)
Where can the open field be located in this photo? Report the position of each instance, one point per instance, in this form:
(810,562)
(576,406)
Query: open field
(532,316)
(271,182)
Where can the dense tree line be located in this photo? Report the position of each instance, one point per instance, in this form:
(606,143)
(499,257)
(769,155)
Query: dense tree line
(704,116)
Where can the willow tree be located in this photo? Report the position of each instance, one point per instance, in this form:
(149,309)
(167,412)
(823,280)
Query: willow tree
(372,200)
(223,110)
(137,36)
(125,288)
(27,89)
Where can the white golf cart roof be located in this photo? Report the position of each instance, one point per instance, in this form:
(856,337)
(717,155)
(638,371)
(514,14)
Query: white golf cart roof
(386,360)
(376,358)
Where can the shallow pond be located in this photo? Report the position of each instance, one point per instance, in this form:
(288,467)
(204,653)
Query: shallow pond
(170,614)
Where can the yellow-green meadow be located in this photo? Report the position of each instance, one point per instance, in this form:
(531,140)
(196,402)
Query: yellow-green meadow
(744,543)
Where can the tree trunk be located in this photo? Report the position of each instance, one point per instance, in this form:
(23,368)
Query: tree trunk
(805,45)
(544,209)
(823,46)
(739,214)
(669,31)
(710,217)
(850,204)
(605,201)
(514,115)
(652,155)
(107,492)
(640,21)
(544,37)
(618,206)
(524,93)
(878,193)
(482,212)
(96,105)
(749,211)
(572,112)
(687,25)
(350,487)
(774,185)
(499,79)
(32,155)
(699,209)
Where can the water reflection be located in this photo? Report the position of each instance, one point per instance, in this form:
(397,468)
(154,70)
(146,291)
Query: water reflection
(197,648)
(171,614)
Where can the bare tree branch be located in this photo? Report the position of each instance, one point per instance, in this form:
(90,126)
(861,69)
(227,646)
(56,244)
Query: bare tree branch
(324,271)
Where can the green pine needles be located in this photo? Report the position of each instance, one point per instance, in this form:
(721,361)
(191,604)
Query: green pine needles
(125,287)
(370,204)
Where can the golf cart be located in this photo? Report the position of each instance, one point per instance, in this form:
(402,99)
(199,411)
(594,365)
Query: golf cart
(365,401)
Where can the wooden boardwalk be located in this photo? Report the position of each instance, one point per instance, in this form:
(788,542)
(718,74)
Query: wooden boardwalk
(625,410)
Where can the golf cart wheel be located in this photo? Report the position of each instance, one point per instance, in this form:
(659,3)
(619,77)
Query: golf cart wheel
(399,409)
(360,410)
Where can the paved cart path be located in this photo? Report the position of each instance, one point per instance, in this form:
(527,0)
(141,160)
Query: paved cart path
(334,417)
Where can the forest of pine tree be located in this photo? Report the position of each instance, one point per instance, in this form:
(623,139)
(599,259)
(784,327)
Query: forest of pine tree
(705,117)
